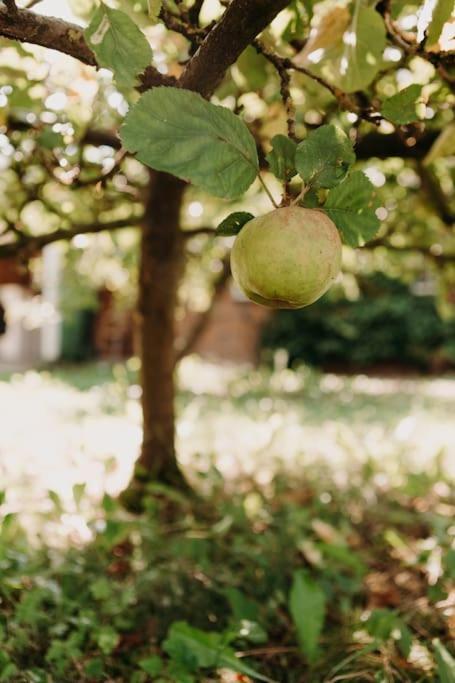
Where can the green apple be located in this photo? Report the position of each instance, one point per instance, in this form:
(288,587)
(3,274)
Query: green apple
(287,258)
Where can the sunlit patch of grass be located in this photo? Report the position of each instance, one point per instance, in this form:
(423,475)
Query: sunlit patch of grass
(82,424)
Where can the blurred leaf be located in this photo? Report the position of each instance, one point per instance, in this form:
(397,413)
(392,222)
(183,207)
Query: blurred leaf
(401,108)
(307,604)
(177,131)
(347,50)
(324,157)
(233,223)
(154,9)
(253,67)
(251,631)
(94,668)
(195,649)
(443,146)
(107,639)
(49,138)
(445,663)
(55,498)
(241,606)
(282,157)
(441,14)
(352,207)
(78,493)
(119,45)
(152,665)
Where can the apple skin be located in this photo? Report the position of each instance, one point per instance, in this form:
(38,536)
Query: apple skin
(287,258)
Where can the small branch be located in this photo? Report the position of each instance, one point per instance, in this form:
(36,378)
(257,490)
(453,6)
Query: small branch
(301,195)
(242,21)
(284,64)
(102,177)
(28,245)
(409,44)
(188,234)
(285,79)
(204,318)
(64,37)
(439,259)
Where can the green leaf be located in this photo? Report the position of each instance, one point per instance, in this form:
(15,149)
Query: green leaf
(401,108)
(253,68)
(282,157)
(119,45)
(324,157)
(177,131)
(307,602)
(445,663)
(154,9)
(152,665)
(347,50)
(233,223)
(441,13)
(107,639)
(198,649)
(242,607)
(352,207)
(251,631)
(49,139)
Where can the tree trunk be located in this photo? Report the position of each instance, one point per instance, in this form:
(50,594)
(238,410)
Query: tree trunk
(161,267)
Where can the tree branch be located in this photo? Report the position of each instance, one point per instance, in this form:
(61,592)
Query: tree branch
(242,21)
(64,37)
(11,6)
(27,245)
(204,318)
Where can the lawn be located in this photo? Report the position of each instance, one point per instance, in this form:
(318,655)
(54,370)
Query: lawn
(319,549)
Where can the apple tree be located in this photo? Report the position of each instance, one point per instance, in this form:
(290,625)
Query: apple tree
(337,119)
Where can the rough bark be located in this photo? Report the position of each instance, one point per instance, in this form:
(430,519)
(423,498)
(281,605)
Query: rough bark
(161,267)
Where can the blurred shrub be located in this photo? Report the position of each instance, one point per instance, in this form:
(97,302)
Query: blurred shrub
(386,324)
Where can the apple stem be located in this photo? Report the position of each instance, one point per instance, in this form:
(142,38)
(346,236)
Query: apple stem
(269,194)
(301,195)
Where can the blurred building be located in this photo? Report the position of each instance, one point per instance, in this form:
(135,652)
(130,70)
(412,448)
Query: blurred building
(32,320)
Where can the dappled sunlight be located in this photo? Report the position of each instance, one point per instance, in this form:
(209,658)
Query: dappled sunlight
(248,424)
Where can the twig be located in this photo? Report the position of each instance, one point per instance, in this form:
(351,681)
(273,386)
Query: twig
(204,318)
(205,230)
(267,191)
(285,79)
(283,64)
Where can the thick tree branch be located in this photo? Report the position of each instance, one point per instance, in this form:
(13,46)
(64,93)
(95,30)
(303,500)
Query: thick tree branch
(63,36)
(28,245)
(242,21)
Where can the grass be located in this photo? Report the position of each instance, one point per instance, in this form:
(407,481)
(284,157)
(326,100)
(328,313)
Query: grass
(320,549)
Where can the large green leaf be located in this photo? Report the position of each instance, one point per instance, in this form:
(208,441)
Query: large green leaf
(282,157)
(347,49)
(177,131)
(307,603)
(445,663)
(198,649)
(352,207)
(324,157)
(401,108)
(119,45)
